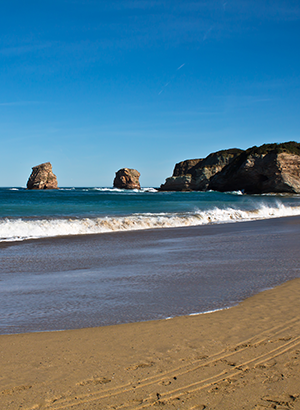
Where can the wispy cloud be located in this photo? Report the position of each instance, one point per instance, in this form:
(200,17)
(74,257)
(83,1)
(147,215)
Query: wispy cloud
(232,103)
(166,85)
(206,34)
(171,79)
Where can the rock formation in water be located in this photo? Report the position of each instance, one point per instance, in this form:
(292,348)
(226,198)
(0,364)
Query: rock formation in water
(42,177)
(127,178)
(195,174)
(265,169)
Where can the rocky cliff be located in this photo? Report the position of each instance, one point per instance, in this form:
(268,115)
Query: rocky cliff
(127,178)
(265,169)
(195,174)
(42,177)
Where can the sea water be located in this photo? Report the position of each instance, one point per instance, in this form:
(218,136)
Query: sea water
(28,214)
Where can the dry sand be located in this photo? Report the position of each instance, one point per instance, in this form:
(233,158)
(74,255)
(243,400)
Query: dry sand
(245,357)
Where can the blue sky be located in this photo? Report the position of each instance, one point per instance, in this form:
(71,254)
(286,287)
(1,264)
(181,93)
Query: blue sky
(94,86)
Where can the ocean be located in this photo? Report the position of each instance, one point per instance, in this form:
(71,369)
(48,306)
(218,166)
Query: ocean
(85,257)
(75,211)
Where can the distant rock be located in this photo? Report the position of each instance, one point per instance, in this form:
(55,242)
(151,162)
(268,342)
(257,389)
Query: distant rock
(127,178)
(195,174)
(42,177)
(270,168)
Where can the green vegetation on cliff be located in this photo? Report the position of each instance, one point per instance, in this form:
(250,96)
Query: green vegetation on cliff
(291,147)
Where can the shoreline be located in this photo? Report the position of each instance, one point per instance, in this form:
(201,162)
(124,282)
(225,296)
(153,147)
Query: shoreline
(99,280)
(154,320)
(247,356)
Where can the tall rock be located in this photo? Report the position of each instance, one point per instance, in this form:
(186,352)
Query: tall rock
(127,178)
(42,177)
(270,168)
(195,174)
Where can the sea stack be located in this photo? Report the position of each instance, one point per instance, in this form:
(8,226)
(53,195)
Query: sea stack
(127,178)
(42,177)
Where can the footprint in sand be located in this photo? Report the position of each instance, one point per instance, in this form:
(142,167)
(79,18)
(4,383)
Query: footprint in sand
(94,381)
(283,401)
(140,365)
(15,389)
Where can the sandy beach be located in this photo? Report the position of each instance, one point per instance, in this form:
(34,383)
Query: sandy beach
(245,357)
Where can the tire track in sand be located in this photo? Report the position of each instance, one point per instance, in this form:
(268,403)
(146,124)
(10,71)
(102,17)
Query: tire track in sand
(186,369)
(193,387)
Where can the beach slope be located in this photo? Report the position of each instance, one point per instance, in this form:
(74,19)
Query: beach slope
(245,357)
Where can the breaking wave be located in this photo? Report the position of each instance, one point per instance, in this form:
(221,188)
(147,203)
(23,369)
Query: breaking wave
(123,190)
(22,229)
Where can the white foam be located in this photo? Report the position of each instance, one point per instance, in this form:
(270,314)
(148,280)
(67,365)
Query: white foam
(124,190)
(208,311)
(235,192)
(105,189)
(148,190)
(20,229)
(67,189)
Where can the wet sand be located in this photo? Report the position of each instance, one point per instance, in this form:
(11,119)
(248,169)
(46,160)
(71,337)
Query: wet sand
(94,280)
(245,357)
